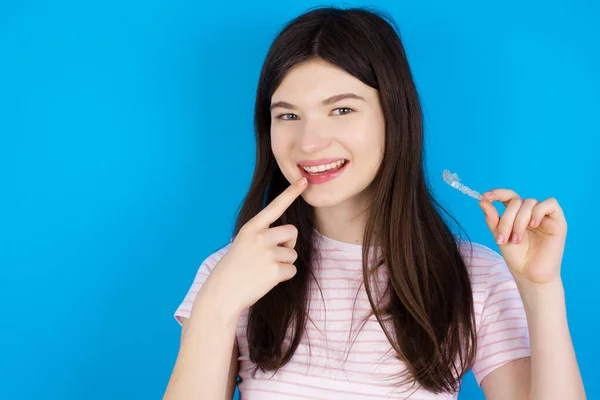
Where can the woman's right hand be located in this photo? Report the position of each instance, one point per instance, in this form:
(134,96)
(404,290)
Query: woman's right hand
(259,257)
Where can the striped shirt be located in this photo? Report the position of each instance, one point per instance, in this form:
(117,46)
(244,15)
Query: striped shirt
(346,356)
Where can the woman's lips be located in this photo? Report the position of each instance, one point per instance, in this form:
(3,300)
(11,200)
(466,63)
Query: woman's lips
(323,176)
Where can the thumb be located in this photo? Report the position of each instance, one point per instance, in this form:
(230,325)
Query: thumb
(491,215)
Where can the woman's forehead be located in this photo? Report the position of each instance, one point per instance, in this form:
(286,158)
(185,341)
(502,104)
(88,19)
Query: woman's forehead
(317,84)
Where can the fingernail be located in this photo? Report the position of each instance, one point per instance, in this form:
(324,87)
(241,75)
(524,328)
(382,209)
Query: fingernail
(302,182)
(532,223)
(500,239)
(515,238)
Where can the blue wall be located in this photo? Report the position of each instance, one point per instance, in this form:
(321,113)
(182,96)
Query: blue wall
(126,146)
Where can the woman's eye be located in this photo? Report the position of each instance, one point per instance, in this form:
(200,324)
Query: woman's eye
(287,117)
(343,110)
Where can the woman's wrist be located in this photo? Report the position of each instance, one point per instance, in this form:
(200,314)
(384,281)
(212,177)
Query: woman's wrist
(541,295)
(216,304)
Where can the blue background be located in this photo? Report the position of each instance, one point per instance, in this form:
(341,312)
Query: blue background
(126,147)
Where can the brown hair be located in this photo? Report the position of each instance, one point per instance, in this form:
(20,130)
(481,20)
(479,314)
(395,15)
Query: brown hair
(431,306)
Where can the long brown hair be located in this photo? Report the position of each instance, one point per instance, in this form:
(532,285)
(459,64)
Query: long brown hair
(431,303)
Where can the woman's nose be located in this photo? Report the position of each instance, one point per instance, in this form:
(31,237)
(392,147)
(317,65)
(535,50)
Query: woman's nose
(313,139)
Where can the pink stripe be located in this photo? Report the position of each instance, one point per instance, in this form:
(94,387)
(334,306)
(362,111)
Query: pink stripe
(479,267)
(504,300)
(325,321)
(354,260)
(361,296)
(286,394)
(504,351)
(211,262)
(501,283)
(202,275)
(341,269)
(473,275)
(478,283)
(347,299)
(247,369)
(502,341)
(517,300)
(504,310)
(343,309)
(391,362)
(503,291)
(390,351)
(353,381)
(478,257)
(326,250)
(506,319)
(493,366)
(500,273)
(321,388)
(338,279)
(310,328)
(503,330)
(496,263)
(357,341)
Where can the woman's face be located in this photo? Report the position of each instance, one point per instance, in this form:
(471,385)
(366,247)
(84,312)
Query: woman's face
(327,121)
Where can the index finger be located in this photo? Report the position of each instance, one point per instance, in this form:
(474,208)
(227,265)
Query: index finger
(277,207)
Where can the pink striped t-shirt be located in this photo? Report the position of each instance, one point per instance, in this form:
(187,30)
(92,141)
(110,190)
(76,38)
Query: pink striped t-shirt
(340,358)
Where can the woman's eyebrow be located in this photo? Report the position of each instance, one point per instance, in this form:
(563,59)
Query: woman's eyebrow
(328,101)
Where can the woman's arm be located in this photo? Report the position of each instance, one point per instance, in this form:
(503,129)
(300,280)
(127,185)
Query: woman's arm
(206,366)
(258,259)
(552,372)
(531,235)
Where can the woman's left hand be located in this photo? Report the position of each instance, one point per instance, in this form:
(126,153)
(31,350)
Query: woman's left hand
(531,235)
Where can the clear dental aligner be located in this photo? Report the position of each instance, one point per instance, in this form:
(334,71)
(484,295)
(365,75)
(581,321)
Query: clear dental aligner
(453,180)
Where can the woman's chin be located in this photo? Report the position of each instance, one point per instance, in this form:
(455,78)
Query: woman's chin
(323,200)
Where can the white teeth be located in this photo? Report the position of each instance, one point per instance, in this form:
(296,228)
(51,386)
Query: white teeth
(325,167)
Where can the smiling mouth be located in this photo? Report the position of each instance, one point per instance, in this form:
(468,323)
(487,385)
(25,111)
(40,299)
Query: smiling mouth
(324,169)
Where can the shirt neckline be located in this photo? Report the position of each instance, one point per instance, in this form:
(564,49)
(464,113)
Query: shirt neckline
(328,243)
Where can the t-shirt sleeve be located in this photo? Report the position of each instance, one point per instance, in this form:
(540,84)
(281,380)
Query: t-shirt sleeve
(502,334)
(185,308)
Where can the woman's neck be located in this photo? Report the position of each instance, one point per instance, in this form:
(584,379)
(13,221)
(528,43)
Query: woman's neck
(341,223)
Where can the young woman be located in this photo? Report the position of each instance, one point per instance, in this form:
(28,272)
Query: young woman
(343,281)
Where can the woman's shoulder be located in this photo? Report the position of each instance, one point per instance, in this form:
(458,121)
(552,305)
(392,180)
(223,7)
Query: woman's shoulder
(478,255)
(214,256)
(202,273)
(208,263)
(482,262)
